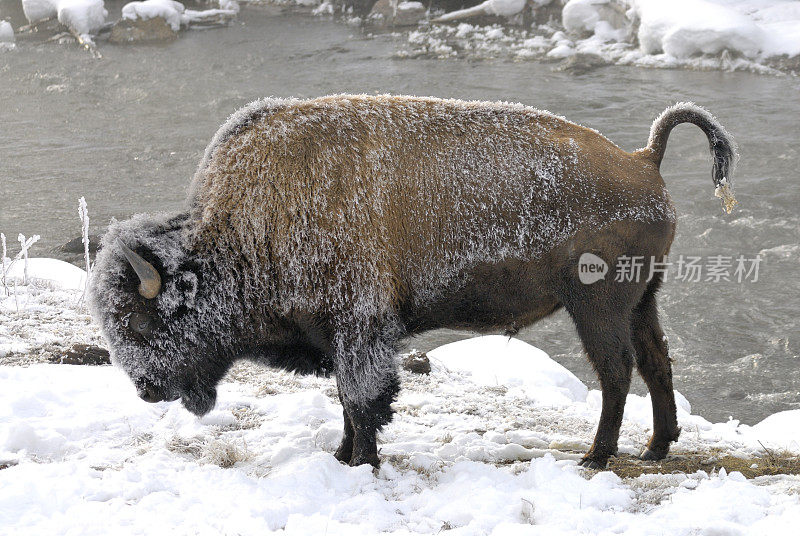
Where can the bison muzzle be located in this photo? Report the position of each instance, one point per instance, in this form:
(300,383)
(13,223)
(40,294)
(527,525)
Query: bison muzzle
(320,233)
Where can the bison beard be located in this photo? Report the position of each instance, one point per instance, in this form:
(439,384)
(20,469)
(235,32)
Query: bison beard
(320,233)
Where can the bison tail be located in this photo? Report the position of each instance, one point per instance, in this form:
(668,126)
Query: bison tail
(721,144)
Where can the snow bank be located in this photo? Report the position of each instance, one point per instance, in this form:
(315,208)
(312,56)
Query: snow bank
(84,17)
(704,34)
(682,28)
(685,28)
(47,273)
(497,360)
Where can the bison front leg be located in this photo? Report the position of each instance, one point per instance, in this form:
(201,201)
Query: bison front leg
(368,384)
(345,451)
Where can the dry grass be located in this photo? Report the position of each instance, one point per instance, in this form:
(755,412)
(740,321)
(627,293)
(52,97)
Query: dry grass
(772,463)
(214,451)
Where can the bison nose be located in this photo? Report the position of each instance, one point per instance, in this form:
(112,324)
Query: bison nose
(149,393)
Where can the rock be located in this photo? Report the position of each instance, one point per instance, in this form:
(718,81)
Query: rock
(83,354)
(417,362)
(549,14)
(581,63)
(76,245)
(406,14)
(785,63)
(142,31)
(356,7)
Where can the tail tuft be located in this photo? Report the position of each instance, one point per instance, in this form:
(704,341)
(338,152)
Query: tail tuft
(721,144)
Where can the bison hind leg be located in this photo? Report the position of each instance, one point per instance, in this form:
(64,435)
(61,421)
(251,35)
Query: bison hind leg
(601,314)
(653,363)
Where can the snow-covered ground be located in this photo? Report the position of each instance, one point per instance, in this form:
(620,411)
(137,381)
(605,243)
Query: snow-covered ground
(485,444)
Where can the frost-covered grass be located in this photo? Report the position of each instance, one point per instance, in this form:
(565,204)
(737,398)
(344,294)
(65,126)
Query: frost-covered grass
(485,444)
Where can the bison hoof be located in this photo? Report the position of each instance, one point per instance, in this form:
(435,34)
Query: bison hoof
(374,461)
(590,463)
(344,453)
(652,455)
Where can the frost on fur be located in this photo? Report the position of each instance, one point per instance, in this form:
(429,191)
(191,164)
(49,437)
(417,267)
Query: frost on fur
(319,233)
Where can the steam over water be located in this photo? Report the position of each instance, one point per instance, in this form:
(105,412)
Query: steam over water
(128,131)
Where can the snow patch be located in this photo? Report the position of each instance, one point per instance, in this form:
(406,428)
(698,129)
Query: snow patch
(700,34)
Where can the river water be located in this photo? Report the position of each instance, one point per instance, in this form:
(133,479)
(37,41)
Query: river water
(127,132)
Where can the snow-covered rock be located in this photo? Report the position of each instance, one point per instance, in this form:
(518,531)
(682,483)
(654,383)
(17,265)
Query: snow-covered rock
(142,30)
(498,360)
(48,273)
(6,32)
(176,14)
(83,17)
(168,10)
(500,8)
(393,13)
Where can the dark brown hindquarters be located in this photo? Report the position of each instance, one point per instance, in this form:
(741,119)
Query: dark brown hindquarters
(618,325)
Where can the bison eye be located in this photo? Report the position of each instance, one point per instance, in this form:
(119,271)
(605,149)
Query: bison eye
(141,324)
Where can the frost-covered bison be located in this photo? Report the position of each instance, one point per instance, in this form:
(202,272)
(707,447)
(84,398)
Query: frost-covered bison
(319,233)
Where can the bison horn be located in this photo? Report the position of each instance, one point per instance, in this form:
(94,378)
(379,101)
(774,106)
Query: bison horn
(150,280)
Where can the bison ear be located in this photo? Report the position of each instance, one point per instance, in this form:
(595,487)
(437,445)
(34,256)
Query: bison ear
(150,280)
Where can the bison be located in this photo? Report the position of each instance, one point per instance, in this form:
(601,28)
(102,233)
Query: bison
(319,233)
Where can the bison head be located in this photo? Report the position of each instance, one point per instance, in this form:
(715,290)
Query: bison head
(158,307)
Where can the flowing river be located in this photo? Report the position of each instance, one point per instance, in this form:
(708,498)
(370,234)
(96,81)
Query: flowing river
(128,130)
